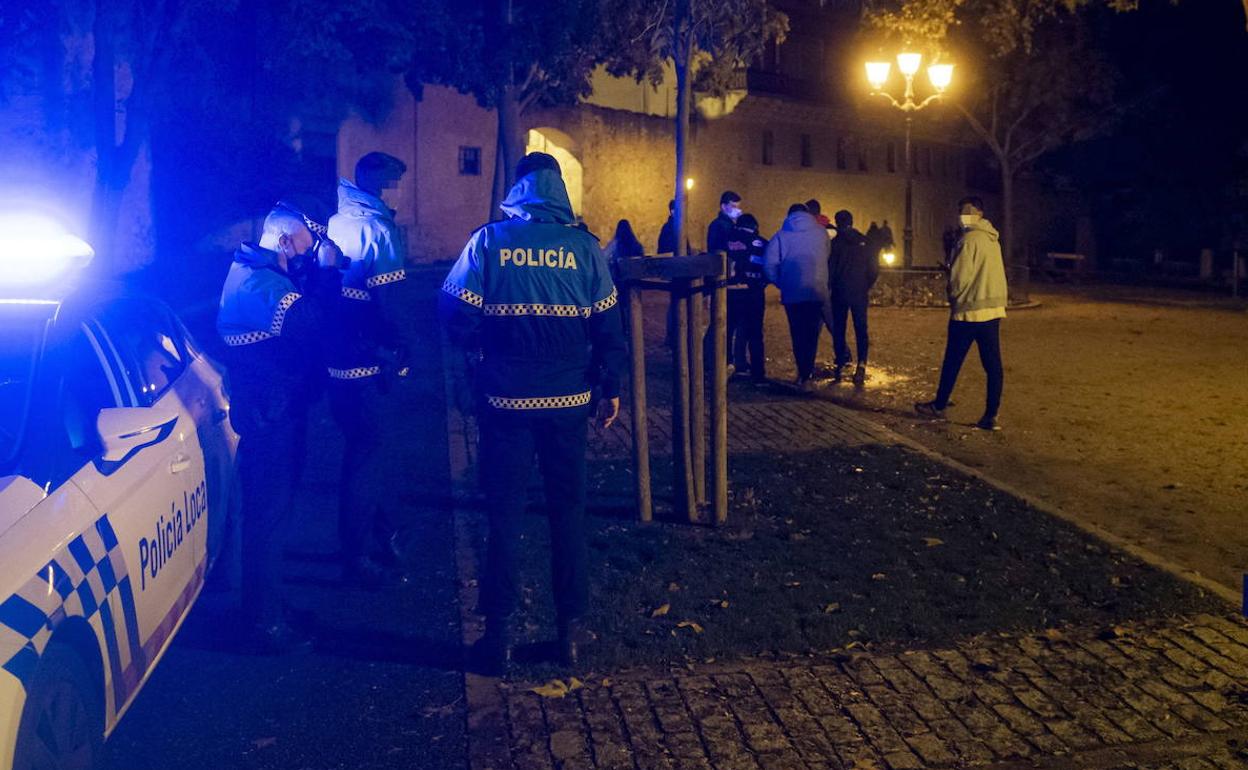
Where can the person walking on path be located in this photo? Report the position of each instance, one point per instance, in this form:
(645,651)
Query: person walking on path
(746,250)
(796,261)
(533,294)
(852,271)
(977,298)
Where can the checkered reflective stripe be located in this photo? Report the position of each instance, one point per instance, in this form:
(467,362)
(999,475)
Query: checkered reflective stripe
(358,372)
(381,280)
(546,402)
(537,309)
(87,579)
(360,294)
(467,295)
(275,326)
(608,302)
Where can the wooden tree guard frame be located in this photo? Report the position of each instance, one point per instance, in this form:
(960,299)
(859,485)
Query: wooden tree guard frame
(686,279)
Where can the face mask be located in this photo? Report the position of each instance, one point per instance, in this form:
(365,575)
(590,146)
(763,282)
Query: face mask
(969,220)
(733,213)
(299,265)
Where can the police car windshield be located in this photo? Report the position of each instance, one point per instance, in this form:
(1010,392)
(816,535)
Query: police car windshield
(22,330)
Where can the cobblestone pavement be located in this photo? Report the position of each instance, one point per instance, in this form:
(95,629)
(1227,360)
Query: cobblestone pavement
(1160,695)
(1172,695)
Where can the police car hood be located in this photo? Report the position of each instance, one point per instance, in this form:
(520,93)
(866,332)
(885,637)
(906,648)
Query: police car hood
(354,202)
(540,197)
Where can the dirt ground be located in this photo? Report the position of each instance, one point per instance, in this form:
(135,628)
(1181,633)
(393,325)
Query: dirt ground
(1127,407)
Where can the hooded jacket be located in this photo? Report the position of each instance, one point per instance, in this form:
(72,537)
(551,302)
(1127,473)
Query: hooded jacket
(375,284)
(272,329)
(853,266)
(977,273)
(796,260)
(535,296)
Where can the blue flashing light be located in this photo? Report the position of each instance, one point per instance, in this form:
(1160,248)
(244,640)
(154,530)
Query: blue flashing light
(36,251)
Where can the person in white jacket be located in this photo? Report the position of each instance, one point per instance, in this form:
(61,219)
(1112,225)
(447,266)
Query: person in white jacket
(796,261)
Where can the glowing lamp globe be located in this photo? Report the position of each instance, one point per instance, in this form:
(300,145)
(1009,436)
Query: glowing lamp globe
(889,257)
(908,63)
(877,73)
(688,183)
(941,76)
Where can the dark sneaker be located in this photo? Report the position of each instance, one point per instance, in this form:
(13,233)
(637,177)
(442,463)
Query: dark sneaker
(573,636)
(987,423)
(929,409)
(280,639)
(860,376)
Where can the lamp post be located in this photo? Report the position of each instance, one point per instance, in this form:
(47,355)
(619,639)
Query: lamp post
(940,76)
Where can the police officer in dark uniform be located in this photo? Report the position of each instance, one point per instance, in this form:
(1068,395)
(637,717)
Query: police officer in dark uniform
(370,392)
(274,314)
(534,295)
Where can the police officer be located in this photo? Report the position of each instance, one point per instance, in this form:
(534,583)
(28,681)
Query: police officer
(368,390)
(272,317)
(534,295)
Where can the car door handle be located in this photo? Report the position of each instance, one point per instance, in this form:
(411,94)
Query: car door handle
(179,463)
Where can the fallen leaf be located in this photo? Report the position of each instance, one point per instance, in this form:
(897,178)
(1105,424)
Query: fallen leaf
(555,688)
(661,610)
(1114,632)
(673,587)
(575,684)
(264,743)
(1053,633)
(879,576)
(723,604)
(606,682)
(793,584)
(833,607)
(932,542)
(697,629)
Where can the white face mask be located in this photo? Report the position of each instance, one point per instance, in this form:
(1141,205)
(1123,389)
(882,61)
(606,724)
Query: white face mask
(969,220)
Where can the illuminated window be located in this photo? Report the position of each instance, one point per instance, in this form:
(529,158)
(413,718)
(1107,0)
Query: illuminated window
(769,148)
(470,161)
(808,154)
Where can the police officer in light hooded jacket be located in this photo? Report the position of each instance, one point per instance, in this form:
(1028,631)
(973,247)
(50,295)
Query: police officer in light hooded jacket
(275,311)
(534,295)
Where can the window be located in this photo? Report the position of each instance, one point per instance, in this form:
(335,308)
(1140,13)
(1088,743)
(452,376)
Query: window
(842,153)
(892,157)
(470,161)
(146,343)
(808,158)
(863,164)
(769,148)
(927,161)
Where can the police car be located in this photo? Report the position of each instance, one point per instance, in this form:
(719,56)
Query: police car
(116,467)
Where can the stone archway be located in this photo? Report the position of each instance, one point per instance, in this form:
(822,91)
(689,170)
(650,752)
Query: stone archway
(563,147)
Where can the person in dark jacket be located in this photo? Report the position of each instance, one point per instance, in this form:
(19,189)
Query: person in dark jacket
(816,208)
(746,249)
(720,228)
(667,233)
(274,317)
(852,271)
(533,294)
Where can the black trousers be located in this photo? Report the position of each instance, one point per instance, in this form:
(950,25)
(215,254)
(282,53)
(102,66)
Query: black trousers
(270,464)
(839,309)
(986,335)
(805,321)
(509,441)
(368,416)
(748,337)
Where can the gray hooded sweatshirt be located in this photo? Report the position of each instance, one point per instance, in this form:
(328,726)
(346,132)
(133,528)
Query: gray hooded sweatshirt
(977,273)
(796,259)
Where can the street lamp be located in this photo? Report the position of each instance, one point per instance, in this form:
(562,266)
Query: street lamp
(940,76)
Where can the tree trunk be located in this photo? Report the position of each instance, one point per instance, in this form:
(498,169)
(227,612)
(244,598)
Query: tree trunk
(510,146)
(681,51)
(1017,274)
